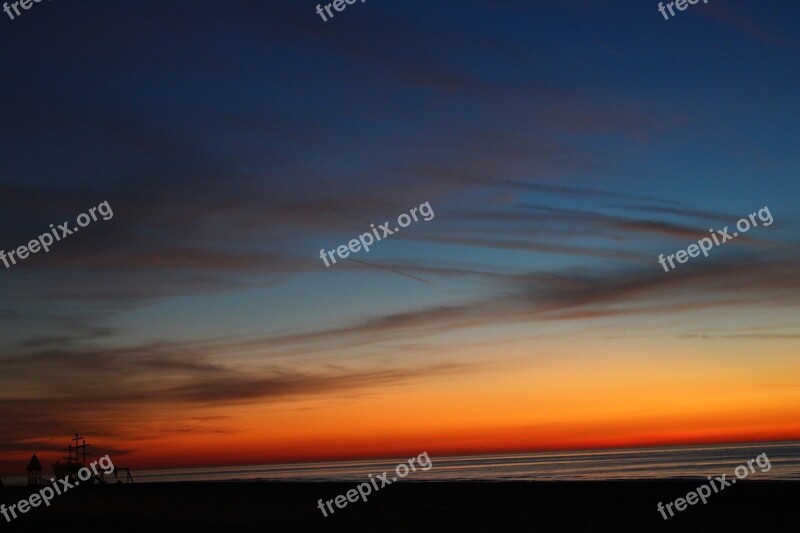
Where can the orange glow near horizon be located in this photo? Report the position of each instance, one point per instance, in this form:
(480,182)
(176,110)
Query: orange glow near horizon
(612,399)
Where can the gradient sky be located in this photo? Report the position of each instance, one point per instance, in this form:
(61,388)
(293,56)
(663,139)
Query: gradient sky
(562,145)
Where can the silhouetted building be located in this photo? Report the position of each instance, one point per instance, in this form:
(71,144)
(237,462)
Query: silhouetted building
(34,469)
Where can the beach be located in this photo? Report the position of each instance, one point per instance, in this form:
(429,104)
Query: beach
(410,506)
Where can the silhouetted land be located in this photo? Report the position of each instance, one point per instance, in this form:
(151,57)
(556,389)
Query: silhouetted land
(409,506)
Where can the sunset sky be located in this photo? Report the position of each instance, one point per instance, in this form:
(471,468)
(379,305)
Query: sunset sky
(562,145)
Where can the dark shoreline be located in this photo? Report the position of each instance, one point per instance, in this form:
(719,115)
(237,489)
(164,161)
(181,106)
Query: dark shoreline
(408,506)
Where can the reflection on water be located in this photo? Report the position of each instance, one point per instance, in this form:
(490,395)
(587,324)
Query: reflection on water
(640,463)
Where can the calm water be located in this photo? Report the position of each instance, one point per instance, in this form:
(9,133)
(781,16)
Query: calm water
(640,463)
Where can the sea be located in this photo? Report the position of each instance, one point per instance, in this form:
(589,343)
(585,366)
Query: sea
(779,461)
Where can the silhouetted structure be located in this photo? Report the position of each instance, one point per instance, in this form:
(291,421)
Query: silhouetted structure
(76,459)
(128,478)
(34,469)
(77,454)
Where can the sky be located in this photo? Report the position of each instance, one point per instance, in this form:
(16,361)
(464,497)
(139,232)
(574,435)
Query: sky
(561,146)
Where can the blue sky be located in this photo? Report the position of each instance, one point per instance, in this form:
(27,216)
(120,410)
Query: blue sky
(562,146)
